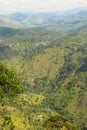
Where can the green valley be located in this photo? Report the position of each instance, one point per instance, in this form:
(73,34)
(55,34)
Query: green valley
(43,79)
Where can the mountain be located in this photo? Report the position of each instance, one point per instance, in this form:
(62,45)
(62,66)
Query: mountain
(43,70)
(67,21)
(53,71)
(5,21)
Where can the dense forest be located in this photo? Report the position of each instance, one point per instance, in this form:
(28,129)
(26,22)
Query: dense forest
(43,78)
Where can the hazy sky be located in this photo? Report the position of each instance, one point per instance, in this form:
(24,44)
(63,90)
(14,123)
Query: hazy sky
(10,6)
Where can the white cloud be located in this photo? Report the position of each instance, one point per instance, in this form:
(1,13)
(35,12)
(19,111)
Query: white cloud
(9,6)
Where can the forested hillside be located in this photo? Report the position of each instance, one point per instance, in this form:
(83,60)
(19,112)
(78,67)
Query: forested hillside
(52,69)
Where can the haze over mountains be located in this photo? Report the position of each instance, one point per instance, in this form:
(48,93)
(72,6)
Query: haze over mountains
(48,51)
(67,21)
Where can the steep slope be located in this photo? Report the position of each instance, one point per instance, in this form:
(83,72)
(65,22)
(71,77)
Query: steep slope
(54,69)
(9,83)
(15,105)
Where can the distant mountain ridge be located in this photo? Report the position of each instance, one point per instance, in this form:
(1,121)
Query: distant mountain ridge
(67,21)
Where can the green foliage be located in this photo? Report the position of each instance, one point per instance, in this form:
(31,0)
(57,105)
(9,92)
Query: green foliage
(9,82)
(7,124)
(58,123)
